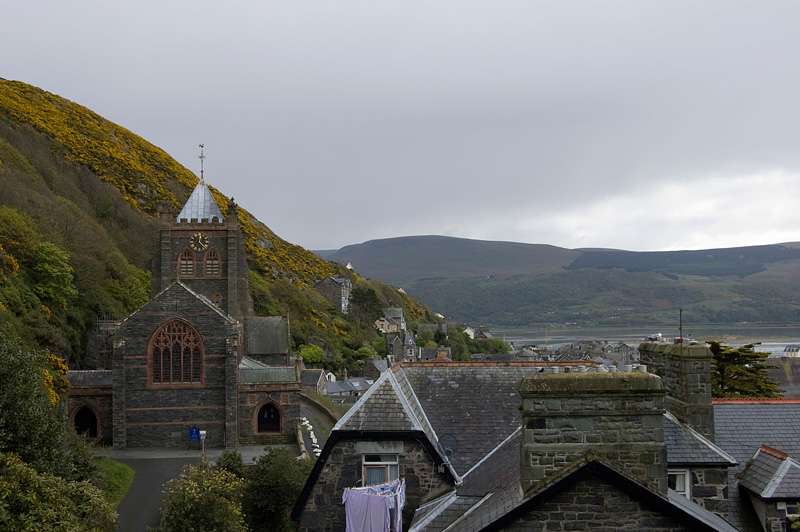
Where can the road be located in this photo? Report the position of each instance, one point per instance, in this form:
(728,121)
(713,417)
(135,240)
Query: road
(141,506)
(154,467)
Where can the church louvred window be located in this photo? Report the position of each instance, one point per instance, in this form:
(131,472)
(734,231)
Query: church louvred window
(212,264)
(186,264)
(176,354)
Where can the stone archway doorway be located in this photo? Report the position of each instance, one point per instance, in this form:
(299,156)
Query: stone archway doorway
(86,422)
(269,418)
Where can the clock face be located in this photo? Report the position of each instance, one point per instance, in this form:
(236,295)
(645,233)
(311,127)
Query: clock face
(198,242)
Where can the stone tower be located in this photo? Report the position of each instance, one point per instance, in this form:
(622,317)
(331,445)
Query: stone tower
(205,251)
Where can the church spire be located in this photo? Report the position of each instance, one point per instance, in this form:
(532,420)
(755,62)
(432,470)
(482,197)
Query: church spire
(201,204)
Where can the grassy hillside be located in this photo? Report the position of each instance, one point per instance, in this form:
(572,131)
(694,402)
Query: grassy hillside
(78,205)
(522,285)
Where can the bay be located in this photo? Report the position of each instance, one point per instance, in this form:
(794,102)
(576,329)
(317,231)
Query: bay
(772,338)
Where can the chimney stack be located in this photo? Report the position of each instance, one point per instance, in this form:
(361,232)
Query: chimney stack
(615,417)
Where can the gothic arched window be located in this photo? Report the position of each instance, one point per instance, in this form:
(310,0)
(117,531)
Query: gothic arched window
(176,354)
(212,263)
(186,264)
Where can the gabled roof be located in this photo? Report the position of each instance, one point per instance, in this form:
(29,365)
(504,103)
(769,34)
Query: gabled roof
(179,286)
(675,505)
(772,474)
(312,377)
(477,405)
(200,205)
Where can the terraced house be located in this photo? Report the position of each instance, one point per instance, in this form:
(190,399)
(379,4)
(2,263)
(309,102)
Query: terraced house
(532,446)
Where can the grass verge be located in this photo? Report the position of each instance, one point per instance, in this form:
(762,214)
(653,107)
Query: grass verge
(114,478)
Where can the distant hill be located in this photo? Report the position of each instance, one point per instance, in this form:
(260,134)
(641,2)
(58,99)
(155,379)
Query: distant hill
(520,285)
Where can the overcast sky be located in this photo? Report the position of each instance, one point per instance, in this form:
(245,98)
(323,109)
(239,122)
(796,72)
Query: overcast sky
(633,125)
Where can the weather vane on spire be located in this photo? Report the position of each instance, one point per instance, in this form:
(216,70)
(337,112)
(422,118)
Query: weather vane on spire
(201,162)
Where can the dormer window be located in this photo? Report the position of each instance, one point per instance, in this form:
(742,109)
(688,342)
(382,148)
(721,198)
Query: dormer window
(186,264)
(212,263)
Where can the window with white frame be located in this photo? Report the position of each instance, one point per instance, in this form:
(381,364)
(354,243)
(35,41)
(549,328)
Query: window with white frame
(679,480)
(379,468)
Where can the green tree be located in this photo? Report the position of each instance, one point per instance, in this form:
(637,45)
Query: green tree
(379,345)
(231,461)
(365,352)
(741,372)
(31,501)
(425,336)
(365,299)
(203,498)
(457,341)
(273,485)
(53,274)
(311,354)
(29,422)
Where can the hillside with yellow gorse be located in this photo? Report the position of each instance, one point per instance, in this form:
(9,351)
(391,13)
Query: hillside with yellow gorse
(78,211)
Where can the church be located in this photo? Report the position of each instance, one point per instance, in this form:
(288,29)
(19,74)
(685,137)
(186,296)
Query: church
(193,358)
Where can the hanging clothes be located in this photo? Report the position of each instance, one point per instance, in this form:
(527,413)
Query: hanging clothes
(365,512)
(377,508)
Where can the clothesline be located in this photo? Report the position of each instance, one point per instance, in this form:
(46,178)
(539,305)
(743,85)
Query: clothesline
(375,508)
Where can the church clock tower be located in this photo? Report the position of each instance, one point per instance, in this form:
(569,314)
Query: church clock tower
(204,250)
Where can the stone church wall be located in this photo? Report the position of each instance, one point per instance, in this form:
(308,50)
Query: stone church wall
(147,414)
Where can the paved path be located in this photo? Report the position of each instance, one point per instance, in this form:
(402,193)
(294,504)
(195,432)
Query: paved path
(141,506)
(154,467)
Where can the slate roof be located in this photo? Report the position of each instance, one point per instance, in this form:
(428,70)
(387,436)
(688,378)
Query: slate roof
(386,412)
(686,446)
(89,378)
(478,404)
(741,427)
(772,474)
(476,407)
(380,364)
(267,335)
(200,205)
(311,377)
(489,490)
(356,385)
(267,375)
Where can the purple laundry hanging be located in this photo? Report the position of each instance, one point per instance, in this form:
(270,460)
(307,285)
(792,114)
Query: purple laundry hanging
(369,506)
(365,512)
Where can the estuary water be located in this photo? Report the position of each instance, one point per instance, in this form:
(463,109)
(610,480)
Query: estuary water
(773,339)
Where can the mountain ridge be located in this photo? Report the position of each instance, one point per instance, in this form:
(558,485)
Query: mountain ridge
(541,284)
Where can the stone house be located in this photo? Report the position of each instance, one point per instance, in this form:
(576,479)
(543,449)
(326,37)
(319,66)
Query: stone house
(314,382)
(396,314)
(388,325)
(336,290)
(531,445)
(193,357)
(401,346)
